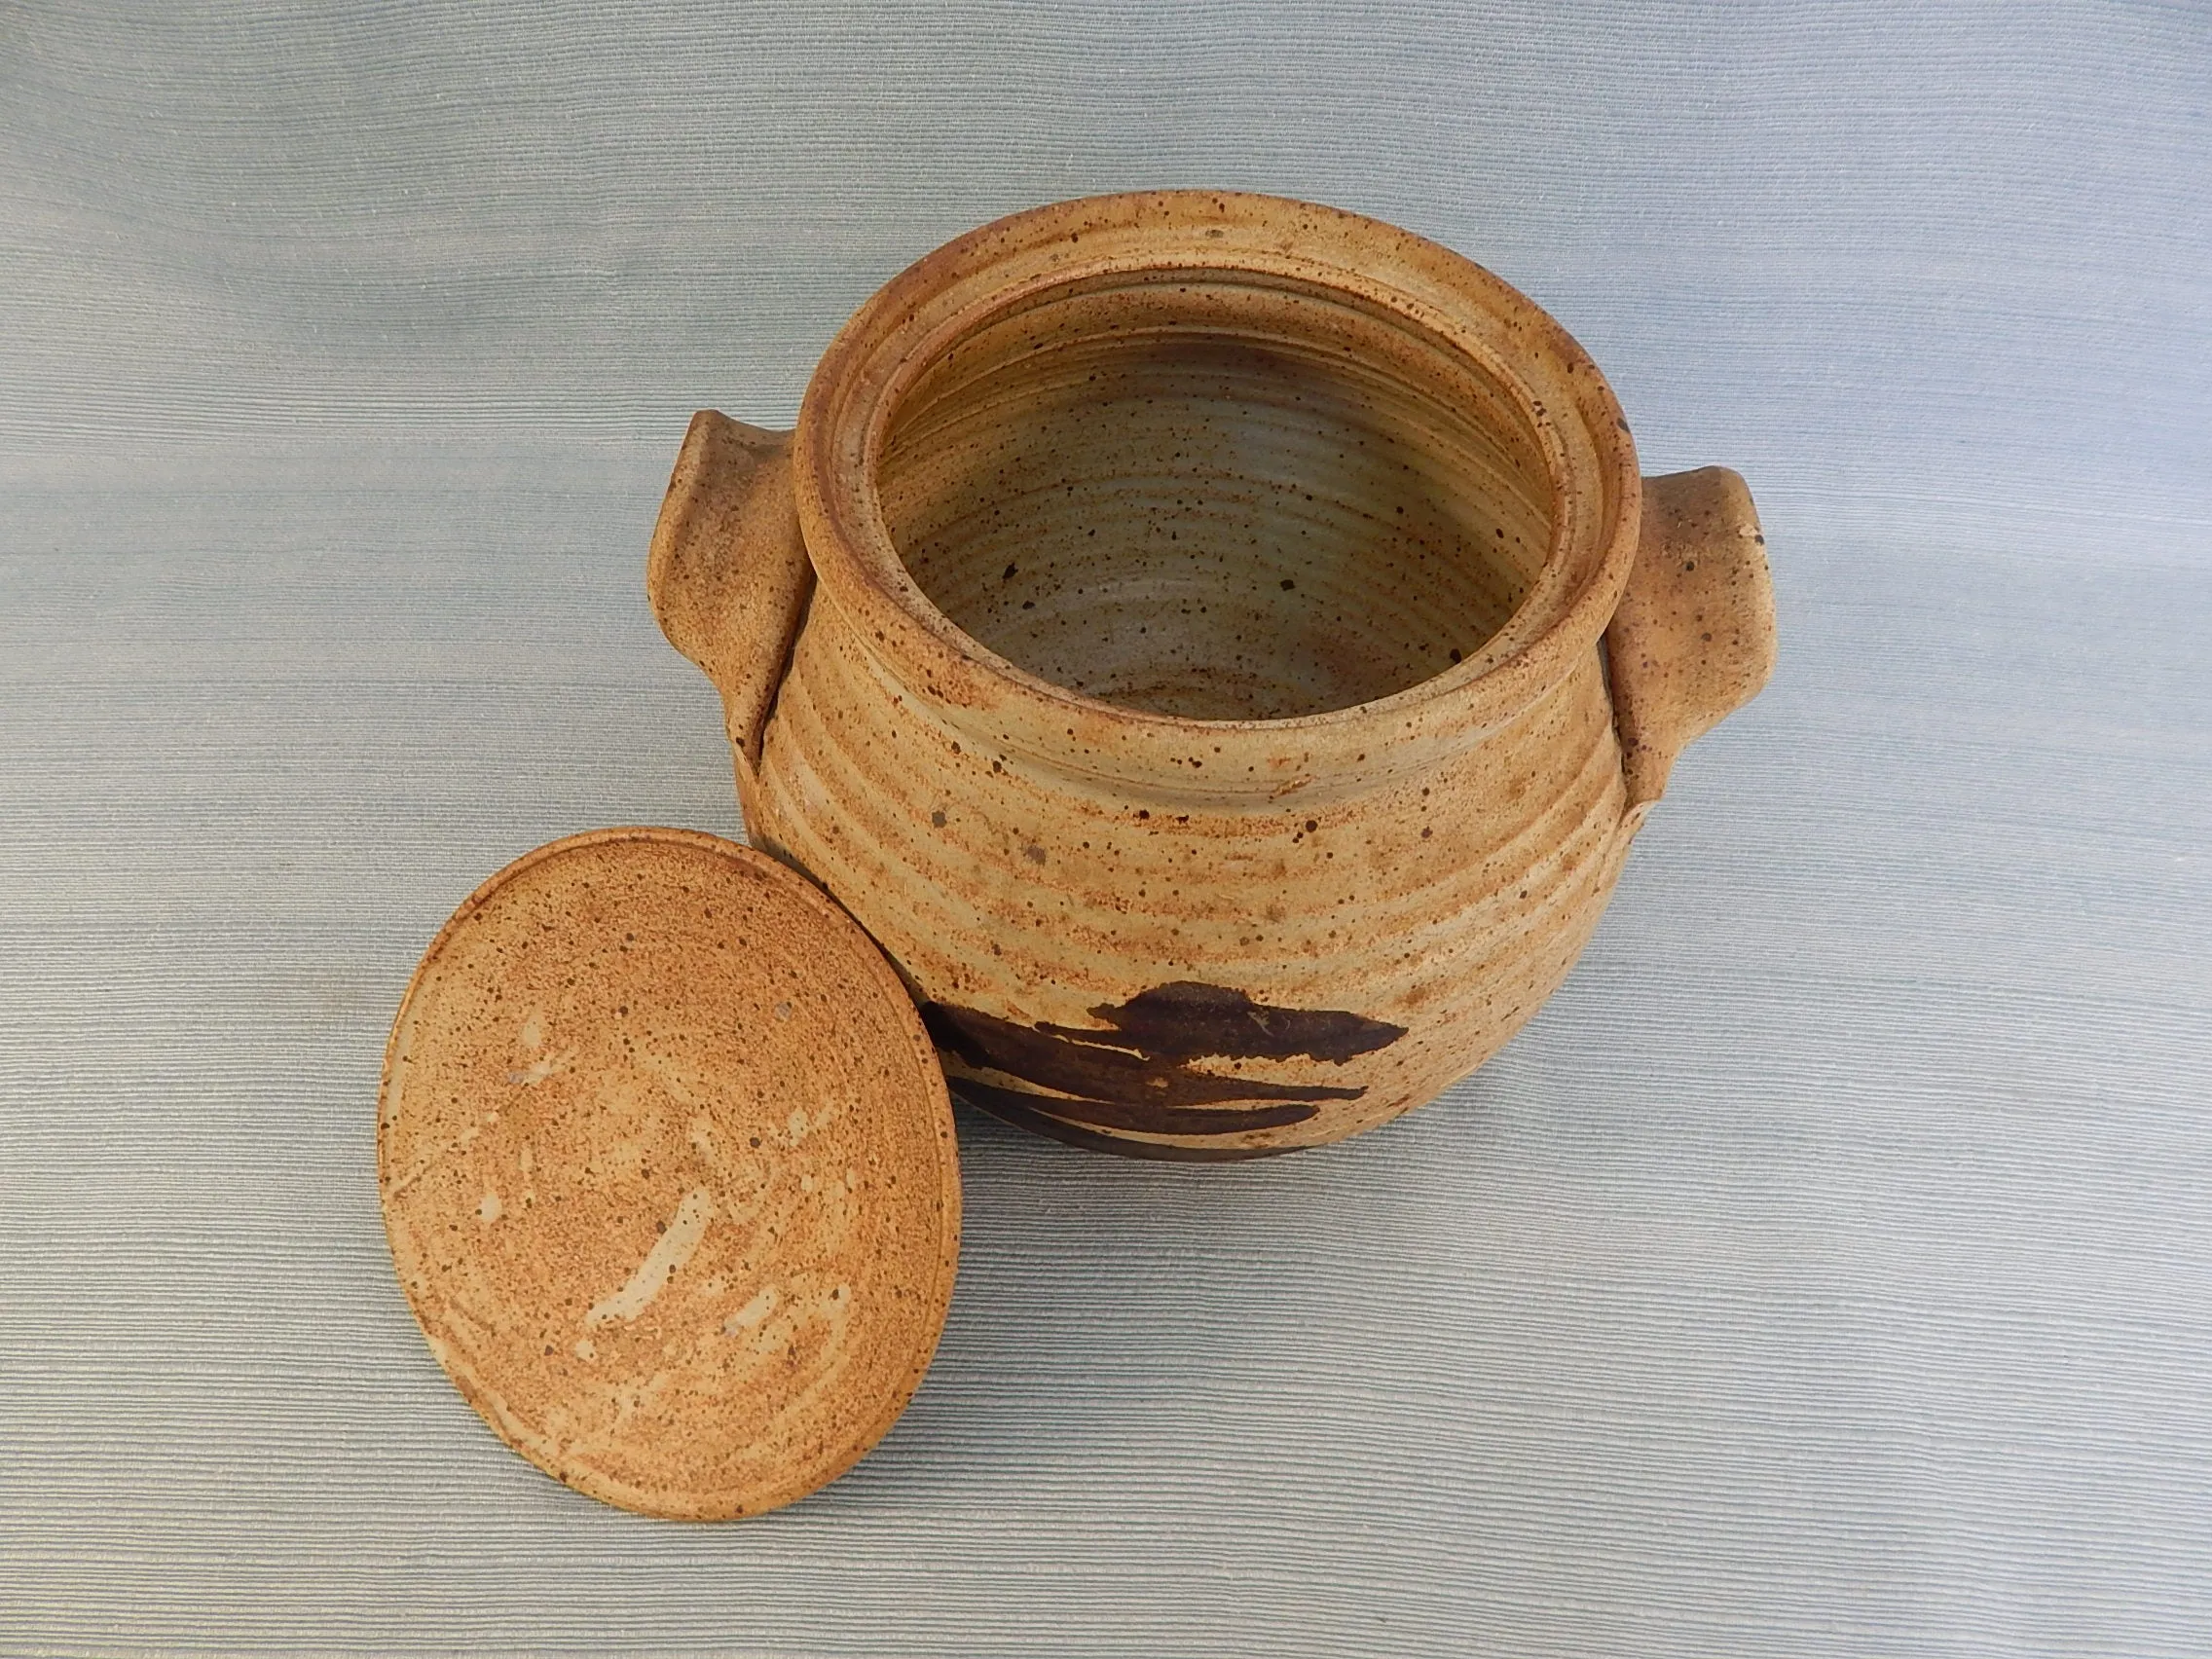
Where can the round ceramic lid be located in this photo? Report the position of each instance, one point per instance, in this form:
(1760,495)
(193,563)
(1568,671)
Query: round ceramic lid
(669,1173)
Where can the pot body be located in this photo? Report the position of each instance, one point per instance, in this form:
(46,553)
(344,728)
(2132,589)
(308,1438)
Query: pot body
(1209,977)
(1291,863)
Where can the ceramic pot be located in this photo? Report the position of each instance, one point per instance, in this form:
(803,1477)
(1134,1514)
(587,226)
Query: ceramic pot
(1220,648)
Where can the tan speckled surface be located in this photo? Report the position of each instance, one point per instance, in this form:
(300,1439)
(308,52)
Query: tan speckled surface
(668,1173)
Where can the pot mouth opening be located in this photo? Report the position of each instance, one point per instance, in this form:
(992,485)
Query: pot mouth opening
(1220,493)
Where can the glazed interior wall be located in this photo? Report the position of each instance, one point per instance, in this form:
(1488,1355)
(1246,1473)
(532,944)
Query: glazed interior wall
(1208,496)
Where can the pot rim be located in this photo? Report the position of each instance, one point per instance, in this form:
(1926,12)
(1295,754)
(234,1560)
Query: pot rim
(1406,279)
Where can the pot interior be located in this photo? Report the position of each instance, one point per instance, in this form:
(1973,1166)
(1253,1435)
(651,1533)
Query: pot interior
(1216,494)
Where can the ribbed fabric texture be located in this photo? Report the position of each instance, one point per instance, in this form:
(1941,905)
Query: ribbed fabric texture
(1827,1270)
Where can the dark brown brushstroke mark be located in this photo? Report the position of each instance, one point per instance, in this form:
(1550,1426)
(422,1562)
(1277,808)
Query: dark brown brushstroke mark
(1186,1018)
(1146,1119)
(1135,1071)
(1075,1065)
(1092,1140)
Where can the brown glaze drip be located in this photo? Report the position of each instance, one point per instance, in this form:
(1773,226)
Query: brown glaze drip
(1142,1059)
(1144,1119)
(1007,1105)
(1093,1070)
(1185,1019)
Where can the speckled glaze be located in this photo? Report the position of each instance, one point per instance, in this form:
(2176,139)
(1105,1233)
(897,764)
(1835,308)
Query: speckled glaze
(668,1172)
(1220,648)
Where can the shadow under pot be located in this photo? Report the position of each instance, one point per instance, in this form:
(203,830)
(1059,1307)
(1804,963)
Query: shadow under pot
(1219,648)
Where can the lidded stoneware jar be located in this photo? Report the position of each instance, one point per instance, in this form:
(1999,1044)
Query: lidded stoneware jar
(1219,648)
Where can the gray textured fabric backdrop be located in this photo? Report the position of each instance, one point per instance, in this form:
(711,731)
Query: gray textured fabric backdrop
(1827,1270)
